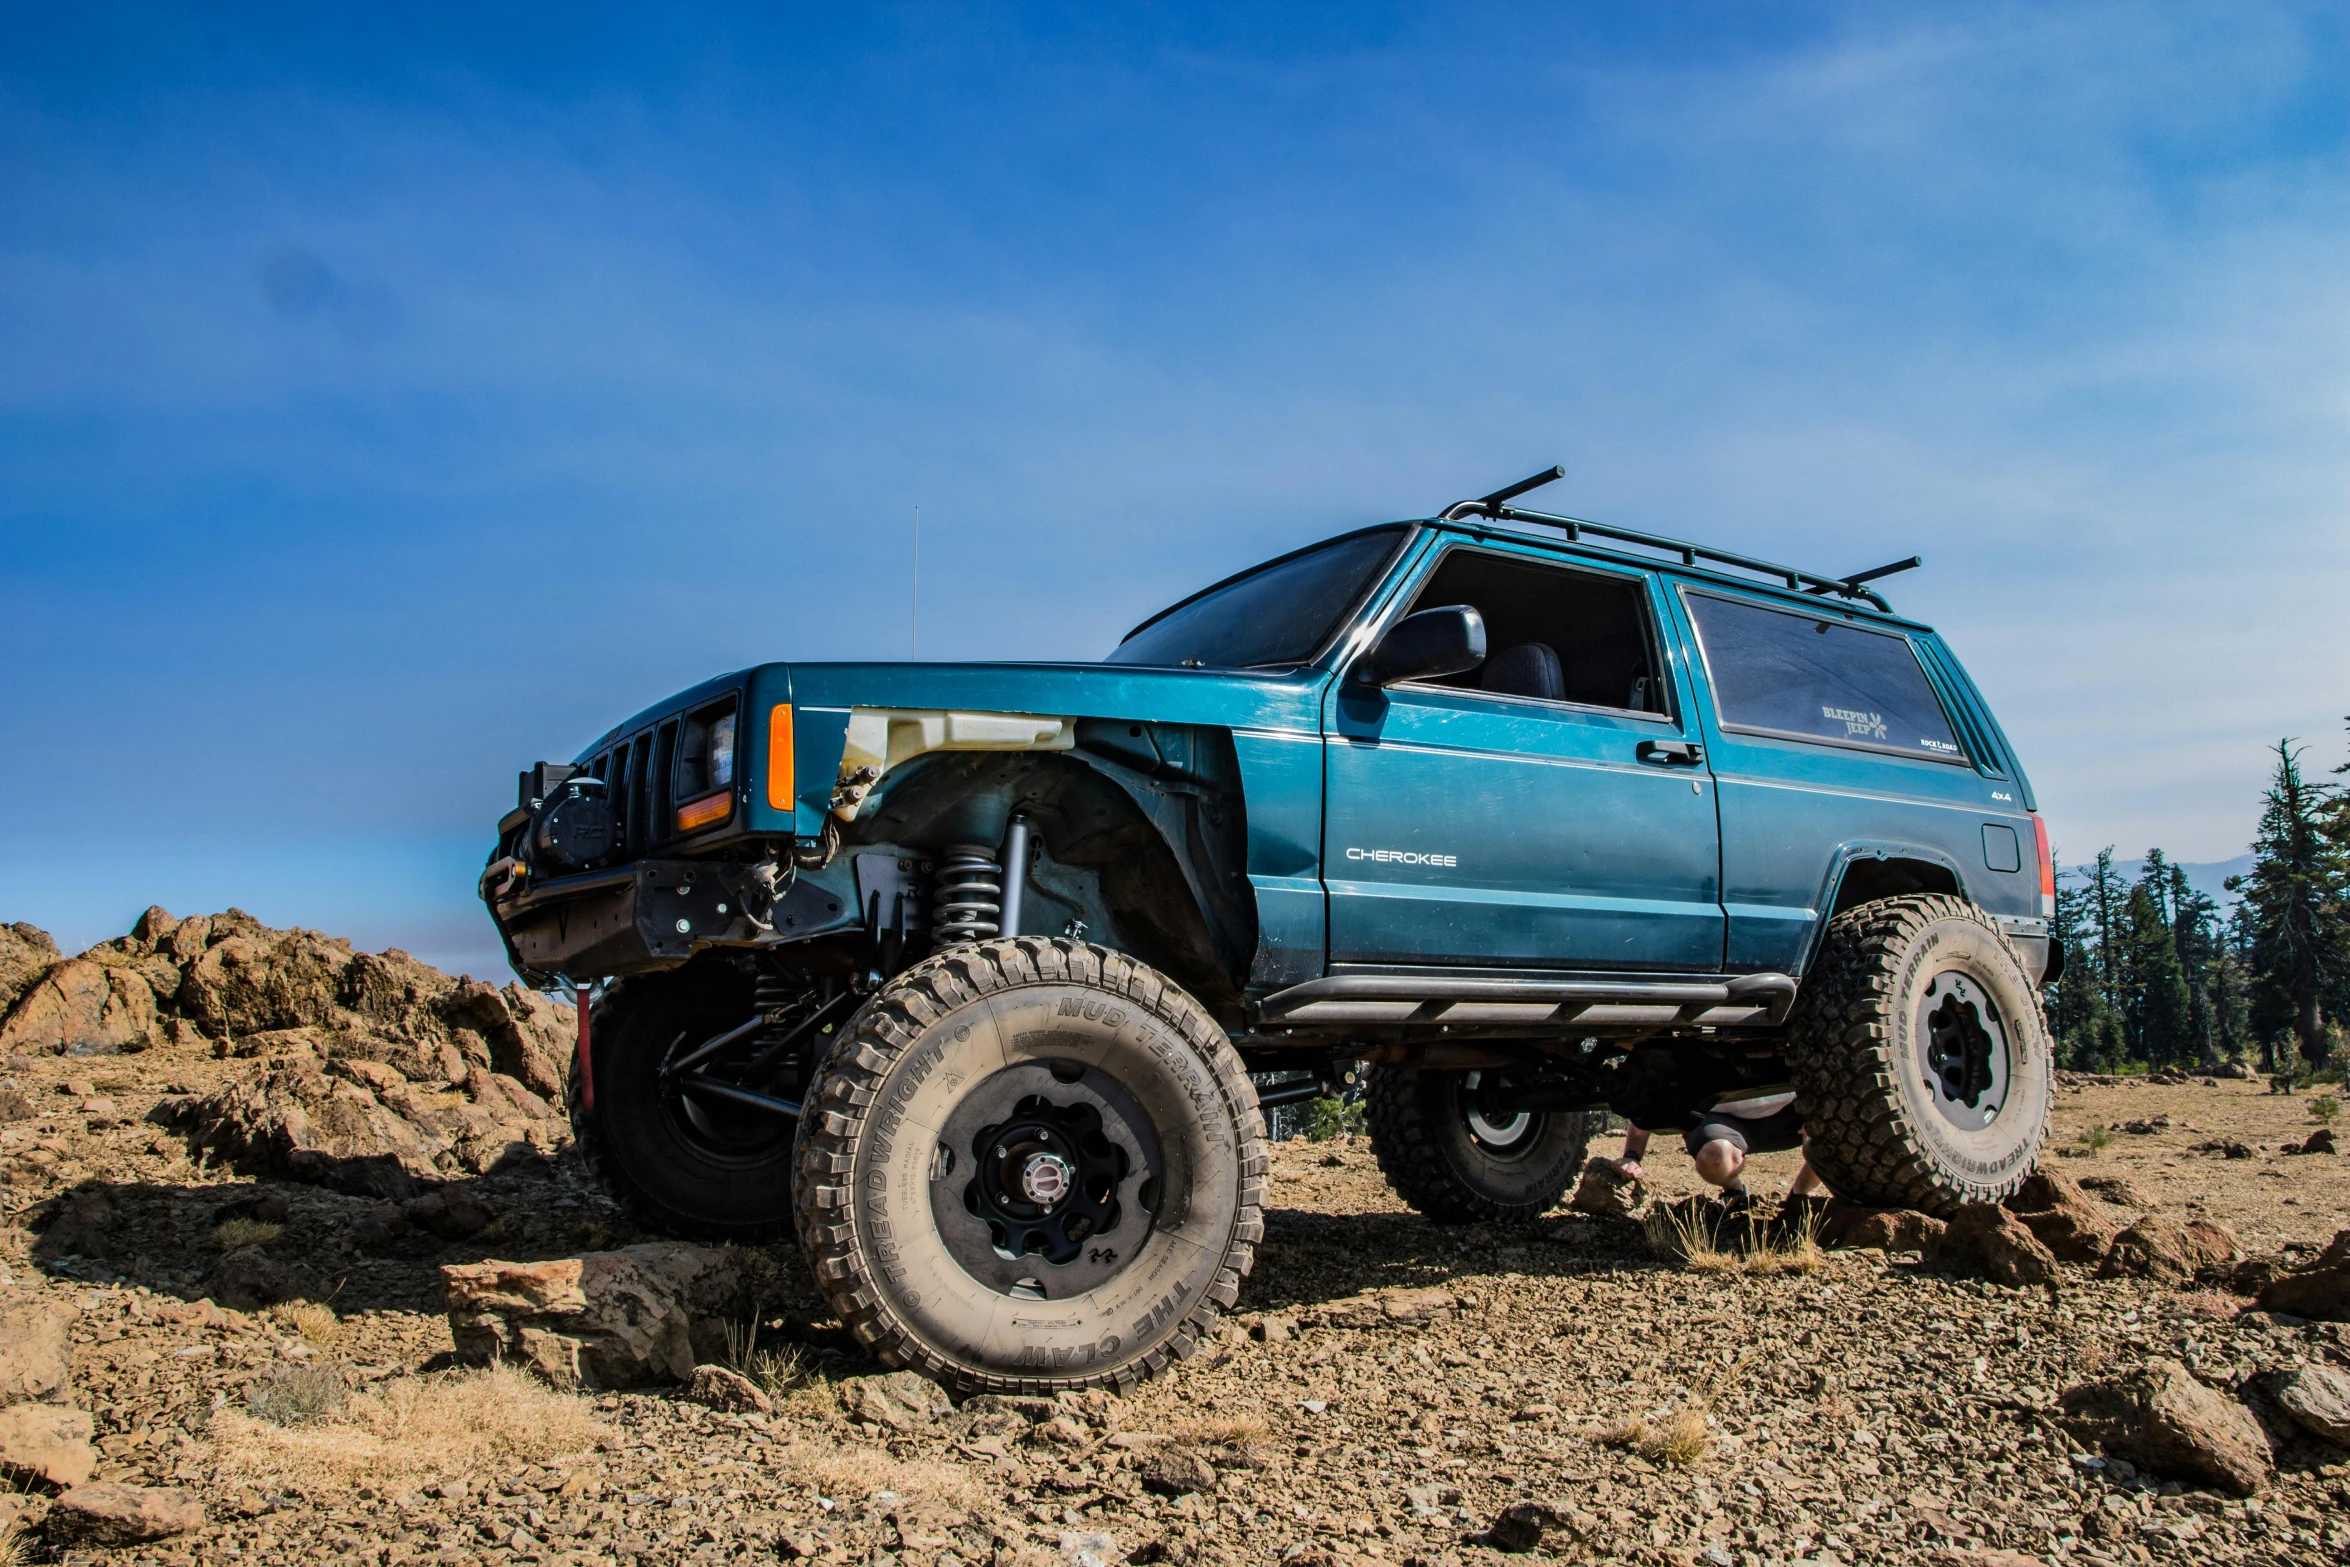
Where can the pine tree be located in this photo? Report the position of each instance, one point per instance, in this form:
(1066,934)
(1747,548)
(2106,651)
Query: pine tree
(2195,931)
(2297,901)
(2154,999)
(2081,1014)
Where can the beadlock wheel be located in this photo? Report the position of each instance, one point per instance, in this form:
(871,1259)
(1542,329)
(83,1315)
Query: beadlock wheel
(1030,1165)
(1921,1057)
(1453,1147)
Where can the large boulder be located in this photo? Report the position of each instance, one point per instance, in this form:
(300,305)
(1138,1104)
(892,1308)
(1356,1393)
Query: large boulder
(1885,1229)
(370,1114)
(609,1319)
(26,953)
(107,1513)
(2065,1219)
(2164,1421)
(2321,1289)
(899,1400)
(33,1354)
(1606,1190)
(249,984)
(2169,1252)
(2318,1399)
(45,1444)
(81,1008)
(1999,1243)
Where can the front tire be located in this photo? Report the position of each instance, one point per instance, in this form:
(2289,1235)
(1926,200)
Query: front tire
(1460,1158)
(1921,1060)
(1030,1165)
(680,1167)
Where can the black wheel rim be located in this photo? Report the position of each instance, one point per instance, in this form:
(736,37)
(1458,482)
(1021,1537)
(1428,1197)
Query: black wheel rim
(1494,1126)
(1045,1180)
(1963,1053)
(717,1131)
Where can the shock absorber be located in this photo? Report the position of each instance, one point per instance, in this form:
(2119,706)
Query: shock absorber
(968,902)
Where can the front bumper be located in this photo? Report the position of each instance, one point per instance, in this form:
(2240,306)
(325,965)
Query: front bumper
(653,914)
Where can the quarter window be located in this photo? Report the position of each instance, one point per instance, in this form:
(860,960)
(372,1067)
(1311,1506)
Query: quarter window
(1820,679)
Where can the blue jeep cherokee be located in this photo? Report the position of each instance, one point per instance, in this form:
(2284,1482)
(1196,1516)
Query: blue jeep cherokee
(969,973)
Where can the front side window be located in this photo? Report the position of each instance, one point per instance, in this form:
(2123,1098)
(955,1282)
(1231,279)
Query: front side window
(1551,634)
(1783,672)
(1283,613)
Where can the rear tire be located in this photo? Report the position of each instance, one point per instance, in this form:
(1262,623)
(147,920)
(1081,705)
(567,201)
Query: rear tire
(1030,1165)
(677,1168)
(1451,1160)
(1921,1058)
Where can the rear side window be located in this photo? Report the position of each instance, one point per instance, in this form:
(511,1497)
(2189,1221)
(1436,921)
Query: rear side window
(1785,673)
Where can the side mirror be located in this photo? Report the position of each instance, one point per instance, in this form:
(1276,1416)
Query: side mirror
(1425,646)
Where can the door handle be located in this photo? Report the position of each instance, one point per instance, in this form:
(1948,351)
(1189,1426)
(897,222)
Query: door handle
(1671,753)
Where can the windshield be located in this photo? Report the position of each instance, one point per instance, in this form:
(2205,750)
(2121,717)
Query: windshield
(1277,614)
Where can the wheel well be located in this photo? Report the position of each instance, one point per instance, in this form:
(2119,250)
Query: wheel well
(1867,880)
(1145,839)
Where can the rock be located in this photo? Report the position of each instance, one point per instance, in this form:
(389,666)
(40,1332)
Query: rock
(259,1204)
(250,984)
(248,1279)
(2169,1252)
(1273,1328)
(2062,1216)
(1887,1229)
(2000,1244)
(1606,1190)
(1519,1528)
(41,1442)
(33,1354)
(15,1104)
(1177,1471)
(2163,1420)
(901,1400)
(2119,1190)
(2237,1070)
(2225,1147)
(2318,1399)
(608,1319)
(1387,1307)
(82,1008)
(2319,1141)
(2320,1290)
(727,1390)
(452,1213)
(26,952)
(111,1514)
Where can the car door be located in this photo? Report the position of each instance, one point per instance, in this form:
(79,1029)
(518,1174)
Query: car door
(1829,742)
(1547,810)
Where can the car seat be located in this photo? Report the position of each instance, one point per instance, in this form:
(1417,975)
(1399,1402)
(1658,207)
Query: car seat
(1529,669)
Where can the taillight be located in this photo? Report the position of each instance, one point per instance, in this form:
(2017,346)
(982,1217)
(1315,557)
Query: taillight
(2047,868)
(779,756)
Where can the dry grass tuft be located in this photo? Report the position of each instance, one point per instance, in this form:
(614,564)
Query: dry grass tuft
(15,1550)
(1679,1437)
(1244,1431)
(773,1371)
(845,1469)
(1703,1239)
(312,1319)
(411,1430)
(236,1234)
(298,1395)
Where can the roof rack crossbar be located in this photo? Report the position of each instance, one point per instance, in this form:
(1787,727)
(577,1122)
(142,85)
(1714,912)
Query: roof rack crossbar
(1796,581)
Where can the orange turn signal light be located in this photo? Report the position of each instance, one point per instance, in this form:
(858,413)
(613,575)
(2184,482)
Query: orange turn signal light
(696,814)
(779,757)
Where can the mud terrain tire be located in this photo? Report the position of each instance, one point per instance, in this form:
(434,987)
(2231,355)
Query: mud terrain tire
(672,1175)
(968,1091)
(1457,1167)
(1921,1057)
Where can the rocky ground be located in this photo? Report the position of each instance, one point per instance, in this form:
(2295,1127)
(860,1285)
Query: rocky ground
(290,1126)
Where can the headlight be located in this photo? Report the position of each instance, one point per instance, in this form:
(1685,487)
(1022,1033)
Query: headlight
(705,768)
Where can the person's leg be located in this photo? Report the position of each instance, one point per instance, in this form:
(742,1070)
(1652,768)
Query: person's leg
(1807,1182)
(1721,1162)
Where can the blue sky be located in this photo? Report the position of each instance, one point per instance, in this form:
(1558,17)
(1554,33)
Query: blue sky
(387,403)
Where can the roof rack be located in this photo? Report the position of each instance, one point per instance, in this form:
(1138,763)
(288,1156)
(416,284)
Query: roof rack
(1498,508)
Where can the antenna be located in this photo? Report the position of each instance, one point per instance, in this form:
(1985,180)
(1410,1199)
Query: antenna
(914,610)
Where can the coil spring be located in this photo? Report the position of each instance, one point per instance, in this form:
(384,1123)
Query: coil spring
(968,896)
